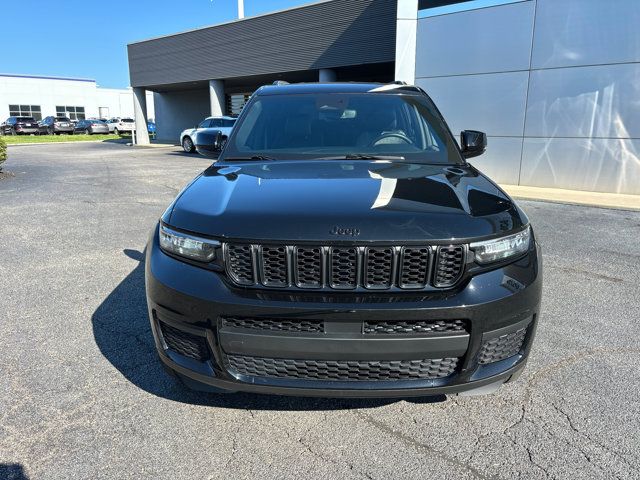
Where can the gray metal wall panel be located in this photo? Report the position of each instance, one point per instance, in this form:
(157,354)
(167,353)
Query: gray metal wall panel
(586,32)
(176,111)
(501,161)
(494,39)
(493,103)
(323,35)
(601,165)
(599,101)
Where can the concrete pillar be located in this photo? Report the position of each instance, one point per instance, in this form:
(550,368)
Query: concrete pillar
(406,31)
(216,97)
(326,75)
(140,114)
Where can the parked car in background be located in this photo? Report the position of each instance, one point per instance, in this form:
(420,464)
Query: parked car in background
(151,128)
(55,125)
(121,125)
(189,137)
(19,126)
(91,126)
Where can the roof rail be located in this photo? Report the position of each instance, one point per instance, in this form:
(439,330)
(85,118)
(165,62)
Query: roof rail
(280,82)
(398,82)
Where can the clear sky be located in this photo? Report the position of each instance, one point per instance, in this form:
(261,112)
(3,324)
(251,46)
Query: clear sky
(88,38)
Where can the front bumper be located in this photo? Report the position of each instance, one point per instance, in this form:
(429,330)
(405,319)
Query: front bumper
(496,306)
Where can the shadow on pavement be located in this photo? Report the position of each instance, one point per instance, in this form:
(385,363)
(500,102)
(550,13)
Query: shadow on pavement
(123,335)
(12,471)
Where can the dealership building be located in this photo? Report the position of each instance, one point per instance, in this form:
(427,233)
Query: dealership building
(553,83)
(76,98)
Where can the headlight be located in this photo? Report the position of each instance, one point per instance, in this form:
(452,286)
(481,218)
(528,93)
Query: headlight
(501,248)
(187,246)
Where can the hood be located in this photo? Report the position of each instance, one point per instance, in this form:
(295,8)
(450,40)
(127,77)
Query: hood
(340,200)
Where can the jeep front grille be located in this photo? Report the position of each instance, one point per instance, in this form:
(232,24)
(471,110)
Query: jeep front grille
(344,268)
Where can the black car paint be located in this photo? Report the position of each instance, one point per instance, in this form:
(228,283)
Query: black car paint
(310,201)
(428,202)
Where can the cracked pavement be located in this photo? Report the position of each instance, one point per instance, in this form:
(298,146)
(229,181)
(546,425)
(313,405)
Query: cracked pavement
(83,396)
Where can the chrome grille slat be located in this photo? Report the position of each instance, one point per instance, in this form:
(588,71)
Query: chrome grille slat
(280,266)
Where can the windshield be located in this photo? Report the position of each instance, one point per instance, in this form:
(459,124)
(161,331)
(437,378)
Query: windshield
(62,119)
(322,125)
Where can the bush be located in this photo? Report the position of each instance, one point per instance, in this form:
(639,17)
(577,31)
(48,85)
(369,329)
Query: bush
(3,152)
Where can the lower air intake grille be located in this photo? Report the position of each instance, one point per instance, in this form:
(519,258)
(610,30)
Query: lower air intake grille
(185,343)
(274,324)
(502,347)
(341,370)
(415,327)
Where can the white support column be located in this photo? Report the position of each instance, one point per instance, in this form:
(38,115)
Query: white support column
(326,75)
(216,97)
(140,113)
(406,31)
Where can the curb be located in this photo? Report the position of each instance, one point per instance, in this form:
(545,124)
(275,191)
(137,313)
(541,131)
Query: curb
(58,143)
(618,201)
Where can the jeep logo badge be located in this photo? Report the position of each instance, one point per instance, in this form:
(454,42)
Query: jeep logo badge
(348,232)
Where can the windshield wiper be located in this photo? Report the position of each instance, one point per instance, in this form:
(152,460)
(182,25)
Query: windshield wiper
(368,156)
(248,159)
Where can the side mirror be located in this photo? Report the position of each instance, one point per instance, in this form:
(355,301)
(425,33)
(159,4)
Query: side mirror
(472,143)
(210,143)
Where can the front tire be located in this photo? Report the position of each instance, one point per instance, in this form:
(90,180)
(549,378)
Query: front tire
(187,145)
(116,131)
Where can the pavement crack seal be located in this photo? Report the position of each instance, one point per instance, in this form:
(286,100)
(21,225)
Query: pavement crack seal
(544,372)
(319,455)
(419,446)
(586,436)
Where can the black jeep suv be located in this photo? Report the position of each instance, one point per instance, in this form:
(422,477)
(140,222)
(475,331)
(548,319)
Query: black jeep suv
(341,245)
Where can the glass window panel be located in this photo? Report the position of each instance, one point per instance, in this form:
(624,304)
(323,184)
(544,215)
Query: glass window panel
(35,108)
(431,8)
(80,109)
(14,108)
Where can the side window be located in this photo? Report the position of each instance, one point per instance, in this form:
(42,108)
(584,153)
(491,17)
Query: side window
(216,123)
(205,124)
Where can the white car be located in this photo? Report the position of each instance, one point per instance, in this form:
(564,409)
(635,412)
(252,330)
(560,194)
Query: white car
(121,125)
(189,137)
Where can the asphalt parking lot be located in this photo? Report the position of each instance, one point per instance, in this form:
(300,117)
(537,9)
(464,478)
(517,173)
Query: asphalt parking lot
(83,396)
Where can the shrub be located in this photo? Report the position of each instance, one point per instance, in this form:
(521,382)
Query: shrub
(3,152)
